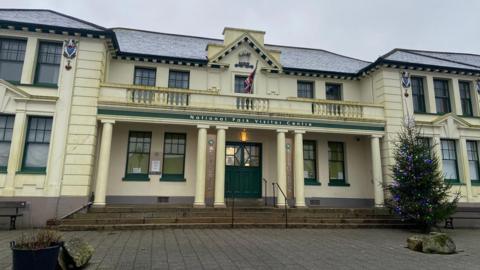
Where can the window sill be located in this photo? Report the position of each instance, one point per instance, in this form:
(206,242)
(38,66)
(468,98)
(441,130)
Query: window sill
(475,183)
(338,183)
(173,178)
(32,171)
(46,85)
(311,182)
(3,169)
(454,182)
(138,177)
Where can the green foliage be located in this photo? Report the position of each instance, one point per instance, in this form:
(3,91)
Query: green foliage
(418,191)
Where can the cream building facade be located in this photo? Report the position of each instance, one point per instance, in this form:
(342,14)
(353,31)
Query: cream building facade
(139,117)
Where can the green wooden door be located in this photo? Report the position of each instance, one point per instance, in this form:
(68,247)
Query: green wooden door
(243,170)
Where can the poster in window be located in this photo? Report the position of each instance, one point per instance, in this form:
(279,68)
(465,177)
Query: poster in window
(155,167)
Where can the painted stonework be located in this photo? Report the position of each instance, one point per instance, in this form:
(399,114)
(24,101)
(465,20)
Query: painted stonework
(97,102)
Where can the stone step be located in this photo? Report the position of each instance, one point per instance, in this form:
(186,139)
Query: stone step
(92,227)
(223,214)
(172,209)
(224,220)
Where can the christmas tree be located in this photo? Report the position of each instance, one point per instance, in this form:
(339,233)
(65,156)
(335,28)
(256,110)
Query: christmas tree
(418,191)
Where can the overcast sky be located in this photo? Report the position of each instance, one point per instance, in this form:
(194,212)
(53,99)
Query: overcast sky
(362,29)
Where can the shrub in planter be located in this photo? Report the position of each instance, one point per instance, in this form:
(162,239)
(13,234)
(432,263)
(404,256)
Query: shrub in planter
(36,251)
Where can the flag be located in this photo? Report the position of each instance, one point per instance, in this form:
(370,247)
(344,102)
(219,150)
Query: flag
(248,83)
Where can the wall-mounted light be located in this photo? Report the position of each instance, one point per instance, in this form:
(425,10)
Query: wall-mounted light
(243,135)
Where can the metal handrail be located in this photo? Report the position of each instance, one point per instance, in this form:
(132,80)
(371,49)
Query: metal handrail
(233,205)
(265,195)
(274,196)
(77,210)
(286,203)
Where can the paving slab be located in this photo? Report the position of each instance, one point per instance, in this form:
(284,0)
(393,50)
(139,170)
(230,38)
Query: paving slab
(263,249)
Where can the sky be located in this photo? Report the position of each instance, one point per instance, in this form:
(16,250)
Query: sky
(363,29)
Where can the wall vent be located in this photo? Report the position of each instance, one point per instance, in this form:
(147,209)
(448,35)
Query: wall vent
(315,202)
(163,199)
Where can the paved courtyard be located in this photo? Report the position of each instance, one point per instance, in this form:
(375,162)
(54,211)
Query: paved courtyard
(264,249)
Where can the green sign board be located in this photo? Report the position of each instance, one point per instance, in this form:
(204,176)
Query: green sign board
(195,118)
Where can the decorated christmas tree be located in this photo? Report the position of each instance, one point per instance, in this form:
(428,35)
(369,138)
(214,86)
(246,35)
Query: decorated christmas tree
(418,190)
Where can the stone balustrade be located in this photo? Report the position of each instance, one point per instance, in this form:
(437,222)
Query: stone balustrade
(212,100)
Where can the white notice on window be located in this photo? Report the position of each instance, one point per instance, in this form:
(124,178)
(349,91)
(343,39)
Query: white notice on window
(137,170)
(305,174)
(155,166)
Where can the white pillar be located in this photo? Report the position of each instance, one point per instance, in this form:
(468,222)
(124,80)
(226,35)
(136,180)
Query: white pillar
(377,171)
(437,151)
(465,167)
(103,163)
(15,155)
(29,61)
(281,166)
(220,168)
(201,166)
(298,167)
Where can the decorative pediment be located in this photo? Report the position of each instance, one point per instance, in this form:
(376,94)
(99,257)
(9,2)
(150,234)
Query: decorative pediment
(10,95)
(450,124)
(248,40)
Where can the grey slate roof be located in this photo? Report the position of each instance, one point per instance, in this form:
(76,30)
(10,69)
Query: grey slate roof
(140,42)
(440,59)
(169,45)
(151,43)
(46,17)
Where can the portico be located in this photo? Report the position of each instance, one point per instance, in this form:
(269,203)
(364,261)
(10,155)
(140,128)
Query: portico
(239,157)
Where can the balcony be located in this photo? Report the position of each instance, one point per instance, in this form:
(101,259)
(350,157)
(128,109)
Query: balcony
(112,94)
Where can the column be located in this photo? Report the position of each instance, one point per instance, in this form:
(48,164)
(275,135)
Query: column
(437,151)
(377,171)
(29,61)
(465,167)
(103,163)
(298,168)
(201,166)
(15,155)
(430,95)
(281,166)
(455,94)
(220,168)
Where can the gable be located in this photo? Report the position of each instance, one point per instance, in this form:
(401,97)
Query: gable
(246,40)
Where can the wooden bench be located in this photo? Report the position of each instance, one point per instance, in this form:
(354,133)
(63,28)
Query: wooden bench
(13,216)
(465,213)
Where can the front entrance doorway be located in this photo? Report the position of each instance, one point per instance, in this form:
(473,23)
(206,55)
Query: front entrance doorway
(243,170)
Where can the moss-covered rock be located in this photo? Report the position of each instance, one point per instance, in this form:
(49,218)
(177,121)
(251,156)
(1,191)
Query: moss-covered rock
(415,242)
(438,243)
(75,254)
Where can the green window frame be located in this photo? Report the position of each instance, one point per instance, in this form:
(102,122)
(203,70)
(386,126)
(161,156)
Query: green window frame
(138,156)
(449,160)
(333,91)
(174,148)
(418,95)
(310,162)
(145,76)
(37,144)
(12,55)
(48,63)
(466,98)
(336,164)
(305,89)
(6,131)
(179,79)
(442,96)
(472,153)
